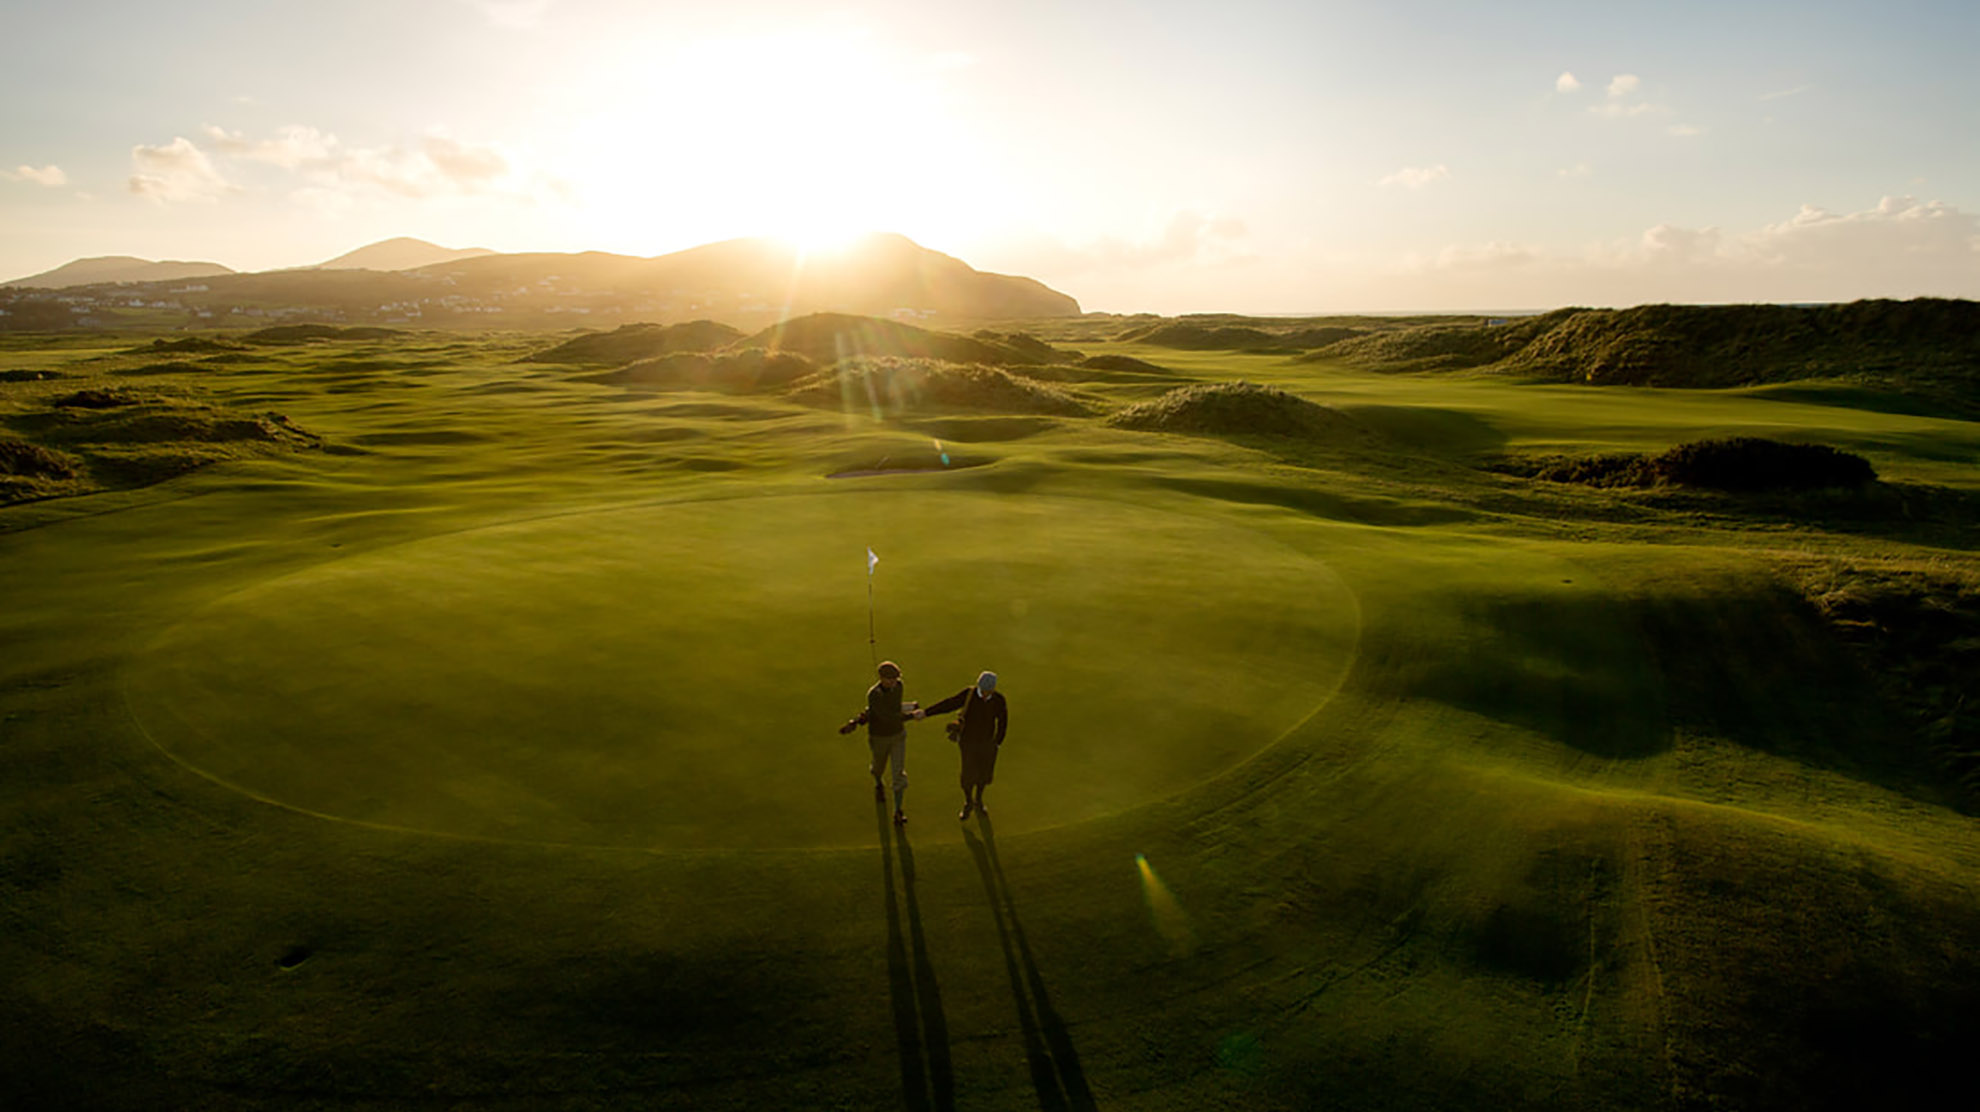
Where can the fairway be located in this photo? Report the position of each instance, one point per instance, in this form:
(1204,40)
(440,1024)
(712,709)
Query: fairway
(483,749)
(670,675)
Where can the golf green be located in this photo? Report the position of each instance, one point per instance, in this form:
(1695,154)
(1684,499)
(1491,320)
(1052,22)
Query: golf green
(671,675)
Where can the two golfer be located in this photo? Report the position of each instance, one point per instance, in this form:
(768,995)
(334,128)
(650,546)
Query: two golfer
(979,733)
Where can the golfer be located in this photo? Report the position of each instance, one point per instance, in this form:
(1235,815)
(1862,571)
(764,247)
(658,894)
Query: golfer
(984,720)
(886,735)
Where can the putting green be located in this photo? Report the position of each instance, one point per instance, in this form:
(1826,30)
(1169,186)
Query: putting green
(671,675)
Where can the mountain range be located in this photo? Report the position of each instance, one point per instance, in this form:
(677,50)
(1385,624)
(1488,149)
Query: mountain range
(743,281)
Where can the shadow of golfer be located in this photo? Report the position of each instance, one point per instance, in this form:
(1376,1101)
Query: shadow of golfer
(1048,1047)
(919,1025)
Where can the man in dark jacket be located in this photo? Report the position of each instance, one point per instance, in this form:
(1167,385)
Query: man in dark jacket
(984,720)
(885,720)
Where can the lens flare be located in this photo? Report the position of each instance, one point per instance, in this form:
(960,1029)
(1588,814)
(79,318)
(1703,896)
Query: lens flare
(1170,921)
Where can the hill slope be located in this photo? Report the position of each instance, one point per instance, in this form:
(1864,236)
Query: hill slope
(118,268)
(402,253)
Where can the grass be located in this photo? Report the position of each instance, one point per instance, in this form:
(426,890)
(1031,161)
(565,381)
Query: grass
(484,754)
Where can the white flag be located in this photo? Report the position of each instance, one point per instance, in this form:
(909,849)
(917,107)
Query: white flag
(871,560)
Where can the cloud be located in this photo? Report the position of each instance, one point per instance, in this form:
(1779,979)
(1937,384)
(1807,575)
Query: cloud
(1669,243)
(1416,177)
(1685,131)
(436,166)
(177,171)
(50,175)
(1901,247)
(1578,170)
(293,146)
(467,166)
(1621,102)
(1566,83)
(1898,230)
(1781,94)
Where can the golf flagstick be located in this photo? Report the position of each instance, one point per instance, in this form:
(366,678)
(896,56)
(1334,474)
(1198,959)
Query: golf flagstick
(872,646)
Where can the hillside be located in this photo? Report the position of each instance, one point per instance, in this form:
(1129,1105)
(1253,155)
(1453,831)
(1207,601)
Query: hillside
(880,275)
(744,283)
(402,253)
(117,268)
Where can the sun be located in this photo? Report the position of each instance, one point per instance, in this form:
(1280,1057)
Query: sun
(814,136)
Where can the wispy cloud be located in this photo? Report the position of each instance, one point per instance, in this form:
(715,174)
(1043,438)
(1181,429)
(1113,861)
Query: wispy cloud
(1782,94)
(1621,102)
(1578,170)
(436,165)
(176,171)
(293,146)
(1416,177)
(1902,246)
(50,175)
(1685,131)
(1567,83)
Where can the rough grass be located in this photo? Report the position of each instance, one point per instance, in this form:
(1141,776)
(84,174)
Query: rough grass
(1916,628)
(1709,346)
(116,437)
(631,342)
(29,471)
(26,460)
(1430,347)
(313,333)
(1215,334)
(1740,463)
(827,338)
(1926,348)
(1233,409)
(201,345)
(97,399)
(1025,343)
(748,372)
(1185,336)
(1123,363)
(890,385)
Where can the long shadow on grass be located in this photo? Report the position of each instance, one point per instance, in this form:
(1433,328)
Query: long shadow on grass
(919,1024)
(1048,1047)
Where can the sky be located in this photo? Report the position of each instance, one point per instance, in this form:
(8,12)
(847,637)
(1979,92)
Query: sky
(1157,156)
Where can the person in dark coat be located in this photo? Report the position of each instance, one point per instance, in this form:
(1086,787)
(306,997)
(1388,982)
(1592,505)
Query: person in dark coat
(984,720)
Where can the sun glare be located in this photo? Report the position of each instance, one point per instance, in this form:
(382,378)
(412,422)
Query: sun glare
(817,138)
(825,237)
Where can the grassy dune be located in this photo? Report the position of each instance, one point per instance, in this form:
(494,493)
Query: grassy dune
(477,747)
